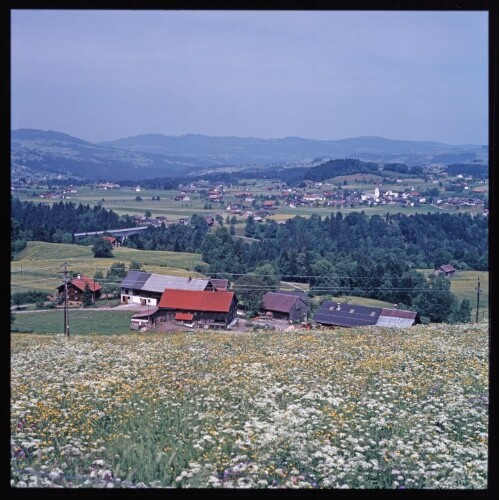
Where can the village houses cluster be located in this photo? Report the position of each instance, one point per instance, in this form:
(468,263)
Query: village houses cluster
(210,303)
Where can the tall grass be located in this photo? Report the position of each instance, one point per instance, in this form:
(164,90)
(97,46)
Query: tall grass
(357,408)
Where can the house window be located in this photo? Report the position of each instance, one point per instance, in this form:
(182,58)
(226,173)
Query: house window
(372,314)
(351,311)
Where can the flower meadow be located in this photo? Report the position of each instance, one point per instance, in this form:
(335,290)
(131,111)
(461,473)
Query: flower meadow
(346,408)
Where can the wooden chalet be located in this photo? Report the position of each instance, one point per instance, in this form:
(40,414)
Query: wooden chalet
(76,287)
(207,308)
(284,306)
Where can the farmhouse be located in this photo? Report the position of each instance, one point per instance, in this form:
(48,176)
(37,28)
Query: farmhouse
(139,287)
(284,306)
(207,308)
(112,240)
(351,315)
(76,287)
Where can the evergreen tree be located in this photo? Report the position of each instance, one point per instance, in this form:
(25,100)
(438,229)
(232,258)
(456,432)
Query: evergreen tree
(250,290)
(87,297)
(461,313)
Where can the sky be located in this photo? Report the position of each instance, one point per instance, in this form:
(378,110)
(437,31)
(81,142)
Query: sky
(102,75)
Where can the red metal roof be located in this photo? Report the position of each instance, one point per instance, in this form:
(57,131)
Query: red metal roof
(195,300)
(184,316)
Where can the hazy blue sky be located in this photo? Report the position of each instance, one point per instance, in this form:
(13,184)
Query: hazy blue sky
(102,75)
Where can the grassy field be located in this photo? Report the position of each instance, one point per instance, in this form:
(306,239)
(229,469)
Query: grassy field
(39,266)
(350,408)
(123,201)
(82,322)
(463,286)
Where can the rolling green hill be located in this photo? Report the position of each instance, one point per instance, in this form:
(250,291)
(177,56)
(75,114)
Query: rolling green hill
(39,266)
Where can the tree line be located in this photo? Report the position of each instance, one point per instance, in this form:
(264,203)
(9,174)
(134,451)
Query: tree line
(58,222)
(337,255)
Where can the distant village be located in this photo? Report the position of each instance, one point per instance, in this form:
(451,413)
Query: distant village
(448,193)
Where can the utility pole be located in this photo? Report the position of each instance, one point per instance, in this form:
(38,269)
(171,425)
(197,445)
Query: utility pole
(66,310)
(478,291)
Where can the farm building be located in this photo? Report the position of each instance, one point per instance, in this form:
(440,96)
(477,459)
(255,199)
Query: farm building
(139,287)
(219,284)
(76,287)
(351,315)
(144,319)
(284,306)
(112,240)
(446,269)
(208,308)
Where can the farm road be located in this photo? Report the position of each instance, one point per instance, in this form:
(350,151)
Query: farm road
(124,307)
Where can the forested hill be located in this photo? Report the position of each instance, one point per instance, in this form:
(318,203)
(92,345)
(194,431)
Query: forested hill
(155,155)
(355,254)
(333,168)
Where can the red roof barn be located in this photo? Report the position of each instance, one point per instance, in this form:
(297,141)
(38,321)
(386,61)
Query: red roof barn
(211,308)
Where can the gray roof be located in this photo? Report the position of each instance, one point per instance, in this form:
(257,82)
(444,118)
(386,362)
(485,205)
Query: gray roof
(135,280)
(158,283)
(347,315)
(397,318)
(296,293)
(280,302)
(394,322)
(219,284)
(355,315)
(145,314)
(139,280)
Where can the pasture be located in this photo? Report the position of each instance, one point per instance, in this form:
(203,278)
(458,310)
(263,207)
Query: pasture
(39,266)
(124,200)
(81,321)
(463,286)
(349,408)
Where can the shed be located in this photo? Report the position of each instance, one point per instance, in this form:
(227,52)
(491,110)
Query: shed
(144,319)
(290,307)
(447,269)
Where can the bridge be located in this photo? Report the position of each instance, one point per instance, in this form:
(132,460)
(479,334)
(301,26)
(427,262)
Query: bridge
(117,233)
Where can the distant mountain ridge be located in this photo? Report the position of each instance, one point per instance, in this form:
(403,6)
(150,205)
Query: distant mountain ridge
(287,146)
(157,155)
